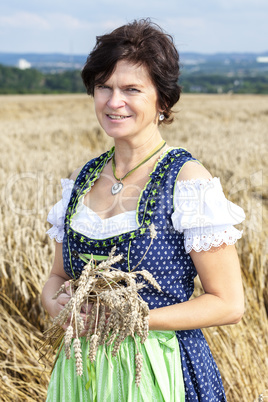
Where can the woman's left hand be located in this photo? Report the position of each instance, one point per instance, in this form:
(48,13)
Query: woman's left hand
(85,310)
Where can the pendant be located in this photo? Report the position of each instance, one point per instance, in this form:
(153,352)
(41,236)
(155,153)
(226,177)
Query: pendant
(116,188)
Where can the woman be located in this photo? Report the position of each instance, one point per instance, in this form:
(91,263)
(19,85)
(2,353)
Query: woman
(132,73)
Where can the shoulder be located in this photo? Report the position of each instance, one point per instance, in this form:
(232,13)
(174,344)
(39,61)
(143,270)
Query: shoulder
(193,170)
(92,163)
(75,173)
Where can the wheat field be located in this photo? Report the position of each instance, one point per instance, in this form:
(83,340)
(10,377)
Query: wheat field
(45,138)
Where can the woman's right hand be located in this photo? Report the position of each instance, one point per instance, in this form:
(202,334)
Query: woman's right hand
(56,279)
(59,304)
(86,308)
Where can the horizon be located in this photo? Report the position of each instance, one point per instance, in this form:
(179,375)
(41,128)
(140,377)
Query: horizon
(265,52)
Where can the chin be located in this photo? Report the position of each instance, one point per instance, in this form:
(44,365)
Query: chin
(118,132)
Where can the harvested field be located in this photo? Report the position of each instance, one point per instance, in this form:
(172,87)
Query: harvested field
(45,138)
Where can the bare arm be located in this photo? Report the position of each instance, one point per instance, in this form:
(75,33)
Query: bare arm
(219,271)
(56,278)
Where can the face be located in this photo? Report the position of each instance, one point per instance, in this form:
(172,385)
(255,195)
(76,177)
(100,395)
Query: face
(126,104)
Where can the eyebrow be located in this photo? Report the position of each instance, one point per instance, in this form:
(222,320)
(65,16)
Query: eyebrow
(133,85)
(136,85)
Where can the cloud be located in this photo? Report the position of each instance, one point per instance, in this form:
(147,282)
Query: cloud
(186,22)
(24,20)
(212,25)
(109,25)
(45,21)
(242,3)
(67,21)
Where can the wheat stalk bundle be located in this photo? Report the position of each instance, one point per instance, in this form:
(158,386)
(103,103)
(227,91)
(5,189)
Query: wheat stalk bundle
(112,306)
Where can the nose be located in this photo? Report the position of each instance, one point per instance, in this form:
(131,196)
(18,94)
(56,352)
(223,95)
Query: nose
(116,99)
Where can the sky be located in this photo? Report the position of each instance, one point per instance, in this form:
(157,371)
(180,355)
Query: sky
(71,26)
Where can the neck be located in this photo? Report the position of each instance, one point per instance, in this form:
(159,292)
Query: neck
(129,153)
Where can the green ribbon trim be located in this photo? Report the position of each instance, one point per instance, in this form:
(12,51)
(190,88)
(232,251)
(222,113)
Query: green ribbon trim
(128,253)
(87,257)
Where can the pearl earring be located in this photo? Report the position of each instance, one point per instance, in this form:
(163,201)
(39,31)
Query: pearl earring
(161,116)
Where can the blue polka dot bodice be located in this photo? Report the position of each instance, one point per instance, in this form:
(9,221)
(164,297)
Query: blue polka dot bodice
(166,259)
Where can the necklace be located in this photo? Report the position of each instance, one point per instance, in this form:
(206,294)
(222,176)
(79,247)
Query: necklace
(117,187)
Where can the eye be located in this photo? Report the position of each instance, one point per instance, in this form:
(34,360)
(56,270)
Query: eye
(133,90)
(101,86)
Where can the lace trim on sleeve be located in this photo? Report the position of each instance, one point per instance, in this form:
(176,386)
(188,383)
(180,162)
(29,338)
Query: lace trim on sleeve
(57,233)
(203,242)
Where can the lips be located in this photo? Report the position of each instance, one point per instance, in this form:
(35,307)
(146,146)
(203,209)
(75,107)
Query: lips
(117,117)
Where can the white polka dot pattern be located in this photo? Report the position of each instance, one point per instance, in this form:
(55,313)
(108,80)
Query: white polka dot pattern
(167,260)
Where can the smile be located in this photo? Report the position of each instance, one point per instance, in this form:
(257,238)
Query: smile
(117,117)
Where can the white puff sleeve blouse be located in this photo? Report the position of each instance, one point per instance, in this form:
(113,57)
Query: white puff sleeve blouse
(56,215)
(201,213)
(204,215)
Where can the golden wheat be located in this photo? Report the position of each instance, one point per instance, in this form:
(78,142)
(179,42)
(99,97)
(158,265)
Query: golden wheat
(45,138)
(106,288)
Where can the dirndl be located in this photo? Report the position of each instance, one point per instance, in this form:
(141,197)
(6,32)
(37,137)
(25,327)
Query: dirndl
(112,379)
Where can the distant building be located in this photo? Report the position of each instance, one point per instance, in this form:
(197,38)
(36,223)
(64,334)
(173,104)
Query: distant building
(23,64)
(262,59)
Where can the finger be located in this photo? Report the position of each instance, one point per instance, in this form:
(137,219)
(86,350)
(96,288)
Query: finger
(68,288)
(86,308)
(66,325)
(63,299)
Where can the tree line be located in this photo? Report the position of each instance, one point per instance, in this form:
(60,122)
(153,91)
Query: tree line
(31,81)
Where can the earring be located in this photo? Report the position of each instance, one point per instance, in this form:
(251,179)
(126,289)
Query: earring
(161,116)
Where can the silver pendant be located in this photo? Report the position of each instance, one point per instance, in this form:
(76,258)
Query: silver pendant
(116,188)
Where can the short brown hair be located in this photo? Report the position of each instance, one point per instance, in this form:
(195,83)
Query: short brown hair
(140,42)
